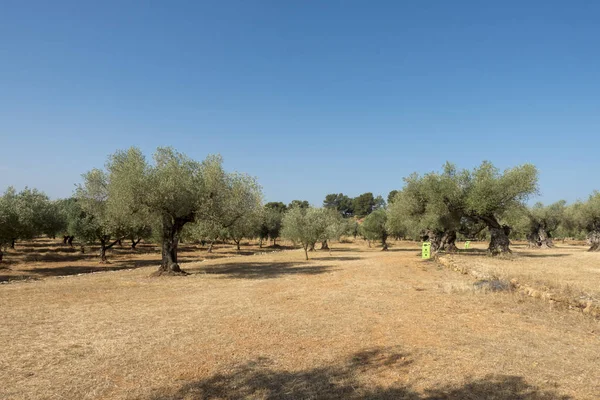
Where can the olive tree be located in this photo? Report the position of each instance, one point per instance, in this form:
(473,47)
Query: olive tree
(542,221)
(490,194)
(271,220)
(239,210)
(586,216)
(463,201)
(23,215)
(176,191)
(93,220)
(420,210)
(306,226)
(374,227)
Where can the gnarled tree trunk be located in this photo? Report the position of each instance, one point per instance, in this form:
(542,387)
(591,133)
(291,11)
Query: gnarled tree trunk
(65,238)
(499,242)
(538,237)
(435,238)
(104,245)
(324,245)
(237,244)
(448,242)
(170,239)
(70,240)
(594,239)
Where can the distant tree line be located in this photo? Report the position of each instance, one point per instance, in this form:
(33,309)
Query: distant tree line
(174,198)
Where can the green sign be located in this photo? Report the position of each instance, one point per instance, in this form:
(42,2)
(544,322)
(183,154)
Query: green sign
(426,253)
(467,244)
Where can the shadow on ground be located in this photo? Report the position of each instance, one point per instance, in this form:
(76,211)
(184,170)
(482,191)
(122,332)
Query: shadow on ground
(257,380)
(258,270)
(321,257)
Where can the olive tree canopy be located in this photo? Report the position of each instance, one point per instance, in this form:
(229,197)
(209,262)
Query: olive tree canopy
(306,226)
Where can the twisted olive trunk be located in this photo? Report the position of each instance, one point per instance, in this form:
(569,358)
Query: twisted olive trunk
(499,242)
(324,245)
(104,246)
(448,242)
(538,237)
(170,240)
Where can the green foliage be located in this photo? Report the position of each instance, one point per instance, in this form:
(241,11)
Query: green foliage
(27,214)
(277,206)
(299,203)
(374,227)
(391,195)
(487,192)
(423,205)
(584,216)
(339,202)
(307,226)
(363,205)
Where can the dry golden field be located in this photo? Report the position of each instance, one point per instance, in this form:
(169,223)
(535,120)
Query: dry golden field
(356,323)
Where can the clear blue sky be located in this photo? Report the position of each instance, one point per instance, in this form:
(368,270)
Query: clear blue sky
(310,97)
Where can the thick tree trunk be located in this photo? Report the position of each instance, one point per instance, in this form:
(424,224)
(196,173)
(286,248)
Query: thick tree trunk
(134,243)
(65,238)
(260,243)
(545,239)
(119,242)
(435,238)
(443,241)
(70,240)
(594,239)
(499,242)
(384,246)
(538,237)
(237,244)
(324,245)
(450,242)
(170,241)
(12,243)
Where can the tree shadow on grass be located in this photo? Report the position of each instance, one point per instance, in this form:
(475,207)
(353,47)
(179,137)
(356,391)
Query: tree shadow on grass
(409,249)
(74,270)
(257,380)
(257,270)
(334,258)
(530,255)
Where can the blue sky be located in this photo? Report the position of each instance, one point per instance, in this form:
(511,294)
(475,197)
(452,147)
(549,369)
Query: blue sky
(310,97)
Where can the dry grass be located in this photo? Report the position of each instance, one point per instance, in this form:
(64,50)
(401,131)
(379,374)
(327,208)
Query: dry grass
(356,324)
(566,271)
(49,257)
